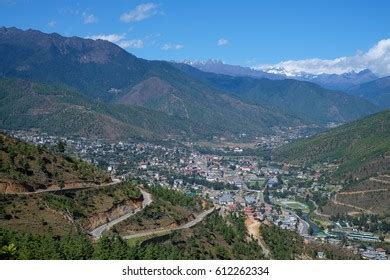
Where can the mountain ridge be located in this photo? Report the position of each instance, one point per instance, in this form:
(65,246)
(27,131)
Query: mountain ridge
(300,99)
(130,95)
(332,81)
(104,72)
(378,91)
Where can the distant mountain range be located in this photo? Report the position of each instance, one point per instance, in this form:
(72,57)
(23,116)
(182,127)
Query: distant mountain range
(101,90)
(378,91)
(218,67)
(303,100)
(331,81)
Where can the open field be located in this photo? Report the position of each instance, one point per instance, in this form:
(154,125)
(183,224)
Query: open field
(295,205)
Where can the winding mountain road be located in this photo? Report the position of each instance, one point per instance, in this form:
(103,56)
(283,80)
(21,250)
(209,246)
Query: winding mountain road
(190,224)
(98,232)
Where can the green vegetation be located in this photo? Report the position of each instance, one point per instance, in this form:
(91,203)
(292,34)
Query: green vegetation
(28,167)
(184,105)
(295,205)
(174,197)
(189,102)
(377,91)
(85,203)
(67,212)
(331,252)
(359,148)
(169,208)
(303,100)
(58,110)
(371,223)
(200,181)
(214,238)
(284,244)
(27,246)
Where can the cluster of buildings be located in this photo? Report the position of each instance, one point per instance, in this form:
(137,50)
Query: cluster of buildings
(250,184)
(253,205)
(373,254)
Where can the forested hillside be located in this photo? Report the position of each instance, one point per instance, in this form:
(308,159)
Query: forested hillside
(104,72)
(378,91)
(361,148)
(304,100)
(25,167)
(214,238)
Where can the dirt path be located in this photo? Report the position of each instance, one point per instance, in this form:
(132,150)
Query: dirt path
(335,201)
(350,205)
(380,180)
(253,227)
(317,212)
(364,191)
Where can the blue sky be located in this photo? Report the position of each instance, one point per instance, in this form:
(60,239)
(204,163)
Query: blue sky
(238,32)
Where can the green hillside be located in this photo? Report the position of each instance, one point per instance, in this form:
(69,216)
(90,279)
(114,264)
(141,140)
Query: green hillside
(303,100)
(214,238)
(378,91)
(26,167)
(136,97)
(362,148)
(63,111)
(102,71)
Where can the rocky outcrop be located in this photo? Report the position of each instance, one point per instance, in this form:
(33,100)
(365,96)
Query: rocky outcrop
(13,187)
(113,213)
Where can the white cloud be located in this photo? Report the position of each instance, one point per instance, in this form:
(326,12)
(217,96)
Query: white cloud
(377,59)
(52,23)
(170,46)
(132,44)
(113,38)
(120,40)
(89,18)
(222,42)
(141,12)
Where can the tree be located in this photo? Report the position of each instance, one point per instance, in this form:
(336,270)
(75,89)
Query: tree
(8,252)
(61,184)
(61,146)
(12,154)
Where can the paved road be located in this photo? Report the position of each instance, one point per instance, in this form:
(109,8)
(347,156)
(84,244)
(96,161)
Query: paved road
(97,232)
(303,226)
(317,212)
(190,224)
